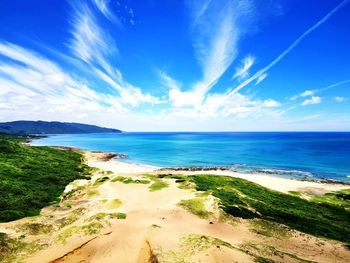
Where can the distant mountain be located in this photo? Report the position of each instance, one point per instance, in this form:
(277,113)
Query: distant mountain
(54,127)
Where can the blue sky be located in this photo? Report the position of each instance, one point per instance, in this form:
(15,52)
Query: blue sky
(188,65)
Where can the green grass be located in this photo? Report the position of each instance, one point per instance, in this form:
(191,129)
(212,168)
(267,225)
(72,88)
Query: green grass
(103,216)
(33,177)
(340,198)
(158,185)
(113,204)
(15,249)
(241,198)
(195,206)
(120,215)
(36,228)
(129,180)
(72,217)
(193,244)
(101,180)
(92,228)
(269,228)
(92,193)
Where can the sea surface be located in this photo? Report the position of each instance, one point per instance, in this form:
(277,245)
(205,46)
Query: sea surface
(304,155)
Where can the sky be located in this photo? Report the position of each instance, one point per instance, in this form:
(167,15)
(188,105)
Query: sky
(177,65)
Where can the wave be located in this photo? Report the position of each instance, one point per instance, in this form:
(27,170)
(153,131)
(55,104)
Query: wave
(272,171)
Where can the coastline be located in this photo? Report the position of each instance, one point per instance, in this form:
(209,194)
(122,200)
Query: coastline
(105,217)
(263,156)
(273,182)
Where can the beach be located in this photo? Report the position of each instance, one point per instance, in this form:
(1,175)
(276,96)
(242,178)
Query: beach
(272,182)
(118,216)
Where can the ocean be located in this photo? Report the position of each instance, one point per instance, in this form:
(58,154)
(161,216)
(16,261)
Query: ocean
(303,155)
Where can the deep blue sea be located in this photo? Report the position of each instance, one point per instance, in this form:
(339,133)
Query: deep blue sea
(305,155)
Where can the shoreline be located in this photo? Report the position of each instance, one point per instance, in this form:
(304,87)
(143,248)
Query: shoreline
(278,172)
(113,161)
(286,185)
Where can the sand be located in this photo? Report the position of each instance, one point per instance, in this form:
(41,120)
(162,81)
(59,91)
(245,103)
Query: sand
(272,182)
(157,229)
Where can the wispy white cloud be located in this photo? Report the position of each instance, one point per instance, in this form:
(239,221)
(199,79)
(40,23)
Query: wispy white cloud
(270,103)
(313,92)
(288,50)
(103,6)
(335,85)
(216,32)
(215,42)
(33,82)
(312,101)
(308,93)
(303,94)
(261,78)
(215,64)
(340,99)
(91,44)
(242,72)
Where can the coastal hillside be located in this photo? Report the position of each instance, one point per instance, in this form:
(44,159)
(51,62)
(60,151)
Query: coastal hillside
(54,127)
(34,177)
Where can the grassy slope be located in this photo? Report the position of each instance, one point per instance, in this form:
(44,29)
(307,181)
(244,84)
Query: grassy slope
(33,177)
(245,199)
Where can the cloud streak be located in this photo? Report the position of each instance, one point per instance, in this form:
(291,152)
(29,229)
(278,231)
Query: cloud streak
(216,32)
(103,6)
(243,71)
(307,93)
(36,83)
(289,49)
(91,44)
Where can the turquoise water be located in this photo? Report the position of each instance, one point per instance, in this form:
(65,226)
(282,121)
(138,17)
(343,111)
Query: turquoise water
(301,155)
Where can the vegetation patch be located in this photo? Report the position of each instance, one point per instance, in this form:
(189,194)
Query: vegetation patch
(129,180)
(191,245)
(340,198)
(101,180)
(14,249)
(120,215)
(72,217)
(194,244)
(36,228)
(33,177)
(158,185)
(185,183)
(296,193)
(195,206)
(92,228)
(104,217)
(272,252)
(241,198)
(92,193)
(269,228)
(103,201)
(73,192)
(113,204)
